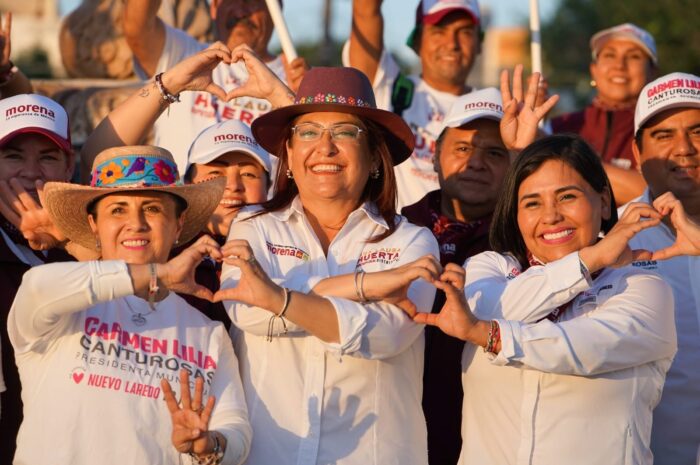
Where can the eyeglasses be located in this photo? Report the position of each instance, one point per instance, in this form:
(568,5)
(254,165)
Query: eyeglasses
(309,132)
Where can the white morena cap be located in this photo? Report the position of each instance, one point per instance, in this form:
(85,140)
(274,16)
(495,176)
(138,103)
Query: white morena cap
(483,103)
(34,113)
(675,90)
(228,136)
(627,31)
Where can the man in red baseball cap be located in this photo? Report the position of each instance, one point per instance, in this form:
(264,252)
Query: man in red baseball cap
(447,38)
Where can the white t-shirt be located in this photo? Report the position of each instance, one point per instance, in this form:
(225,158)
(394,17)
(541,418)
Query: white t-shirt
(91,375)
(416,176)
(577,391)
(357,402)
(180,124)
(675,436)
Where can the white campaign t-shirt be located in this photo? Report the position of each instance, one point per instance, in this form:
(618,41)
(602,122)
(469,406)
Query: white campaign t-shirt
(91,375)
(178,126)
(416,176)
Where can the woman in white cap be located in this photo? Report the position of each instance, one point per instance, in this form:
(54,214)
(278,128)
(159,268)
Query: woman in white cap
(624,60)
(100,343)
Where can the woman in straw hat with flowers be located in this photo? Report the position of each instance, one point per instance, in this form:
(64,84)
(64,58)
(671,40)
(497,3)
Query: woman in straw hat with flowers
(99,343)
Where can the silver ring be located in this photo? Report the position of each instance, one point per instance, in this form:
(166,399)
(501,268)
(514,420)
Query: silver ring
(252,260)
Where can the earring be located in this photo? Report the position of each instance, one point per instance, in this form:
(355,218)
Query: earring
(593,83)
(98,246)
(375,173)
(289,174)
(177,241)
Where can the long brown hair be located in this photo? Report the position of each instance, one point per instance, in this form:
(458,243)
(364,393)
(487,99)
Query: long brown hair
(381,191)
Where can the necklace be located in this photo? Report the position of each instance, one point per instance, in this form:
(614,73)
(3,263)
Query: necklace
(138,318)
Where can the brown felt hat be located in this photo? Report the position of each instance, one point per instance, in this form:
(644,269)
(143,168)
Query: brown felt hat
(337,89)
(130,169)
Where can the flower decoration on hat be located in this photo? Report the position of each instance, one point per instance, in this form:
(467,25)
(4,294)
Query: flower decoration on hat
(164,172)
(110,173)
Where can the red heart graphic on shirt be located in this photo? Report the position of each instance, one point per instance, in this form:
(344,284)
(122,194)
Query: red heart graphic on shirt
(78,377)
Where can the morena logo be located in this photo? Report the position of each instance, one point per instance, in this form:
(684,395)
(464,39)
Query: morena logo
(235,138)
(673,84)
(483,106)
(29,109)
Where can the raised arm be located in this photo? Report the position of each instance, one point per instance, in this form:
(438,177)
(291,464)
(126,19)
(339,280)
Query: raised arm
(366,36)
(627,184)
(12,80)
(144,32)
(129,123)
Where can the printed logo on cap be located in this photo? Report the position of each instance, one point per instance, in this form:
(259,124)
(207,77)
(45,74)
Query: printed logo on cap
(20,111)
(674,90)
(483,105)
(234,137)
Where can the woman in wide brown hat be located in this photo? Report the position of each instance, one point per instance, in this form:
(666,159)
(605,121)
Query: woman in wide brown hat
(328,379)
(100,343)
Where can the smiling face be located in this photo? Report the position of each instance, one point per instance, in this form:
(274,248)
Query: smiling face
(139,227)
(670,153)
(471,164)
(559,212)
(33,157)
(243,22)
(246,183)
(448,49)
(327,169)
(621,70)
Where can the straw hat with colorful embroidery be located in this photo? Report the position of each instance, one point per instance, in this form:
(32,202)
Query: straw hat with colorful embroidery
(130,169)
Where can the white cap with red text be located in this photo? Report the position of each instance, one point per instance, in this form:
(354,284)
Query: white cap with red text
(228,136)
(483,103)
(33,113)
(675,90)
(627,31)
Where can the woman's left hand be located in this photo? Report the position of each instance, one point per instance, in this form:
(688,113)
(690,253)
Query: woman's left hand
(195,72)
(522,114)
(190,419)
(614,250)
(254,286)
(455,318)
(687,231)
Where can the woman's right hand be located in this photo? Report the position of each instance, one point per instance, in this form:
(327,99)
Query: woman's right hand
(614,250)
(262,83)
(178,273)
(254,285)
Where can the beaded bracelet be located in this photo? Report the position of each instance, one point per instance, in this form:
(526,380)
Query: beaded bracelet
(167,96)
(214,458)
(494,337)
